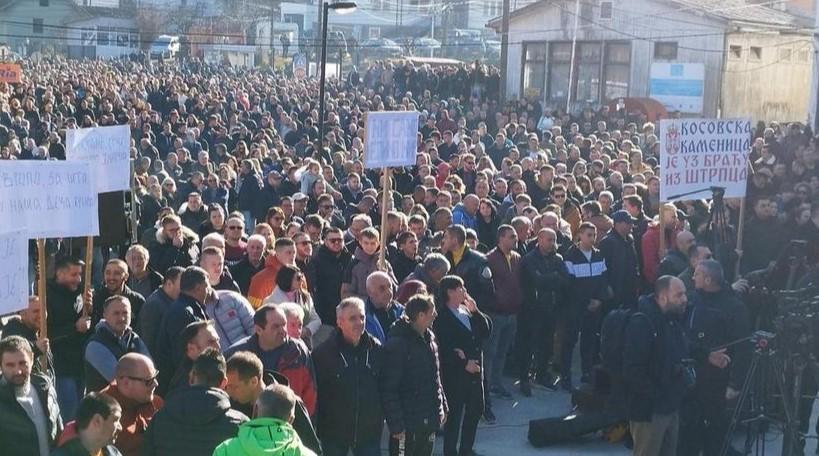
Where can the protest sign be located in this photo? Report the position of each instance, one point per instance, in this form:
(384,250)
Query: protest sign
(697,154)
(11,73)
(108,149)
(51,198)
(14,273)
(392,139)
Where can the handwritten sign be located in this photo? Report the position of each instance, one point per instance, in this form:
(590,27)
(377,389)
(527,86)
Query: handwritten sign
(14,273)
(108,150)
(392,139)
(697,154)
(11,73)
(51,198)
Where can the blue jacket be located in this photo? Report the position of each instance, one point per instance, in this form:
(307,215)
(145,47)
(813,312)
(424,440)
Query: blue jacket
(461,217)
(373,326)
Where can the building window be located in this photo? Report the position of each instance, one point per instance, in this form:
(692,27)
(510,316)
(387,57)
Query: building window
(735,51)
(601,71)
(102,36)
(534,69)
(122,39)
(803,55)
(587,84)
(134,39)
(560,57)
(43,2)
(616,71)
(665,51)
(785,54)
(605,10)
(37,26)
(756,53)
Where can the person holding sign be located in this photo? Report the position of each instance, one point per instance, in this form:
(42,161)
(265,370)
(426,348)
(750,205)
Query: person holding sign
(68,329)
(27,325)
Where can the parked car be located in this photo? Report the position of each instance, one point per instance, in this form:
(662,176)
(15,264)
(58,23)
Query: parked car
(380,48)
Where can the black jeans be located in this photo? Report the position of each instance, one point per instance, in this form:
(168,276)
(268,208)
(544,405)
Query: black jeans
(587,325)
(535,337)
(465,401)
(413,444)
(703,423)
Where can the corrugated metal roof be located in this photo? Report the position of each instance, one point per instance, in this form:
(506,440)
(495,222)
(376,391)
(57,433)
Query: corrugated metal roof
(742,11)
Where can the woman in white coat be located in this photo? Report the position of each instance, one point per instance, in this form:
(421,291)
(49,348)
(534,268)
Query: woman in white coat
(291,287)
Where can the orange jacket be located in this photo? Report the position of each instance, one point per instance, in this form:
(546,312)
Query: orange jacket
(263,282)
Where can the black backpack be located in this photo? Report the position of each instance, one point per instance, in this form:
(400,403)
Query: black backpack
(612,339)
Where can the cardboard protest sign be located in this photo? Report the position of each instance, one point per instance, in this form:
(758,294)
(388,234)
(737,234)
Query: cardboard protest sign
(11,73)
(51,198)
(392,139)
(108,149)
(697,154)
(14,273)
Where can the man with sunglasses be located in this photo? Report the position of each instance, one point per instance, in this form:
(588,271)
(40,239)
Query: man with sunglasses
(235,246)
(327,269)
(133,388)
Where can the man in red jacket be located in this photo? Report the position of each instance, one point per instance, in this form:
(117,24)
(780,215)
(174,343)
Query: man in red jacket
(504,262)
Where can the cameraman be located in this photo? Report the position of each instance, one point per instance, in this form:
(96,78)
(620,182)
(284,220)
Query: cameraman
(653,369)
(715,317)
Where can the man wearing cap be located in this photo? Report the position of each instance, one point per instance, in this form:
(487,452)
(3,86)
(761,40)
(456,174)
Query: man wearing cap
(300,205)
(621,261)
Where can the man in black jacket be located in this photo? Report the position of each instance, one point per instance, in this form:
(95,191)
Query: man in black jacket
(27,326)
(654,347)
(588,289)
(68,331)
(348,366)
(469,265)
(116,274)
(325,274)
(621,262)
(195,419)
(411,392)
(251,263)
(29,415)
(246,379)
(715,317)
(188,308)
(544,278)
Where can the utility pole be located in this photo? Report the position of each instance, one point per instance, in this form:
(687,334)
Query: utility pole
(317,35)
(574,55)
(272,43)
(504,49)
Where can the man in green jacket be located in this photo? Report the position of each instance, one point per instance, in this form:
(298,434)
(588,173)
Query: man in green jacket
(270,433)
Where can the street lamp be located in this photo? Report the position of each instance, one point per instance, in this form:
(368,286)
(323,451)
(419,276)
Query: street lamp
(340,7)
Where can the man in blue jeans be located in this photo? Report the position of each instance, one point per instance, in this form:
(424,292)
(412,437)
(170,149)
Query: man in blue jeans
(68,331)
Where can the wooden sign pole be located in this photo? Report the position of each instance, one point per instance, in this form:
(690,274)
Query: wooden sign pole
(41,287)
(740,229)
(89,258)
(387,176)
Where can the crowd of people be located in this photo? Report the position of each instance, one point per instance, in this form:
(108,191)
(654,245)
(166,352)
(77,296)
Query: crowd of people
(254,312)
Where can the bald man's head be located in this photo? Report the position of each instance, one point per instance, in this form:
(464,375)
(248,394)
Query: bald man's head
(136,377)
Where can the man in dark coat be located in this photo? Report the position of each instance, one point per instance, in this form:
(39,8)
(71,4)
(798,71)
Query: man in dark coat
(188,308)
(653,352)
(175,245)
(544,278)
(469,265)
(621,262)
(116,274)
(68,331)
(325,273)
(195,419)
(411,392)
(348,366)
(29,415)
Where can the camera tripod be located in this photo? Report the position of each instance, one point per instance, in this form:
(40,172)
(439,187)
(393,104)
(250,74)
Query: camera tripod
(763,382)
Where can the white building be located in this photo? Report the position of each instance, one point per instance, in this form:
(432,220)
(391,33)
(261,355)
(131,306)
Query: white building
(629,48)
